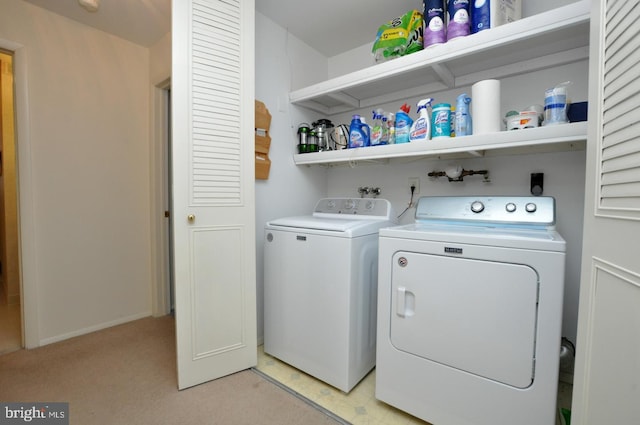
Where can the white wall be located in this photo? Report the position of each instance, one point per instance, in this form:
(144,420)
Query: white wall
(88,129)
(283,63)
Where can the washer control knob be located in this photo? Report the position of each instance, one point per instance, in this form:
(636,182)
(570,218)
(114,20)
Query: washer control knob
(477,207)
(531,207)
(369,205)
(510,207)
(349,204)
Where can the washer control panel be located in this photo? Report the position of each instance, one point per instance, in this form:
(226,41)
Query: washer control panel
(524,210)
(375,207)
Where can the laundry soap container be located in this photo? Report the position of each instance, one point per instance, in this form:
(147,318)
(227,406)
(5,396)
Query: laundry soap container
(359,135)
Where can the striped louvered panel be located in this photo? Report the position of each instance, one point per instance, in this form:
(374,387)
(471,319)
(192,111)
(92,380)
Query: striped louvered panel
(215,73)
(620,144)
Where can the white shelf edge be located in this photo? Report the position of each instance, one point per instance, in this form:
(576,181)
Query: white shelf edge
(533,138)
(565,16)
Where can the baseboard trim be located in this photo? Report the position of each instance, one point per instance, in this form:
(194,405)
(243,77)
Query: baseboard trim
(98,327)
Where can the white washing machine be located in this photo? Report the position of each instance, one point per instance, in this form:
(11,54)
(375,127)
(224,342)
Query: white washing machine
(320,288)
(470,311)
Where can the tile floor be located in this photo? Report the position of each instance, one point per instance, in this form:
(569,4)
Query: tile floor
(10,338)
(358,407)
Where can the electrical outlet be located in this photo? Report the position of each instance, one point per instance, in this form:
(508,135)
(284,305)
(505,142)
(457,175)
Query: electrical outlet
(414,181)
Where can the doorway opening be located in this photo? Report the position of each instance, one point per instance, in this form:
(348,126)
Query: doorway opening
(162,216)
(10,282)
(167,184)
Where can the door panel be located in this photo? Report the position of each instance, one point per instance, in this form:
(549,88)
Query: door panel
(213,188)
(215,301)
(473,315)
(607,370)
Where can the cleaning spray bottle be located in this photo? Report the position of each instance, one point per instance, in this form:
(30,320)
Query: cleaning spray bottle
(391,123)
(421,128)
(377,131)
(385,130)
(403,124)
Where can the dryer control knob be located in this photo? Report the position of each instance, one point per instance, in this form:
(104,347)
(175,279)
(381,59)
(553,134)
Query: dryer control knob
(510,207)
(531,207)
(477,207)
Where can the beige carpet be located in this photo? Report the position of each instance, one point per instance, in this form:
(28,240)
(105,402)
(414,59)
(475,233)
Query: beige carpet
(127,375)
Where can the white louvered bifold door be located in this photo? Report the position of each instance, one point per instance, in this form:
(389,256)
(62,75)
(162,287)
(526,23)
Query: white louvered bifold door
(620,150)
(213,188)
(607,376)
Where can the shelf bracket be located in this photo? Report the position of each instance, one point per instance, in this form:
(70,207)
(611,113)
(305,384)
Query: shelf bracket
(315,106)
(445,75)
(477,154)
(345,98)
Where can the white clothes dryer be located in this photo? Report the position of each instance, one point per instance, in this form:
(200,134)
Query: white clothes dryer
(470,311)
(320,288)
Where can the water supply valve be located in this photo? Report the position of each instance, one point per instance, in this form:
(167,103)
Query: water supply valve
(364,191)
(457,174)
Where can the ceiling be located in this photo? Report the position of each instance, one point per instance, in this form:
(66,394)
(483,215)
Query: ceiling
(143,22)
(334,26)
(329,26)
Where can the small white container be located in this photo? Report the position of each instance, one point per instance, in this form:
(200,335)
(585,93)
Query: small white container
(526,119)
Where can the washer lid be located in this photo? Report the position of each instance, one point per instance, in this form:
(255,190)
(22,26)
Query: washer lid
(346,217)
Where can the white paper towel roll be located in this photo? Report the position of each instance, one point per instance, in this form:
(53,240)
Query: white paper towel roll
(485,107)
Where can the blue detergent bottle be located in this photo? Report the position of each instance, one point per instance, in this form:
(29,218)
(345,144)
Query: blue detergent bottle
(358,133)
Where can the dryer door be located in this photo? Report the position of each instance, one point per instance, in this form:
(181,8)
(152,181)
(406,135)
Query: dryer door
(473,315)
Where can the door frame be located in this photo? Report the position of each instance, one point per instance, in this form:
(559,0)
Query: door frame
(160,200)
(26,204)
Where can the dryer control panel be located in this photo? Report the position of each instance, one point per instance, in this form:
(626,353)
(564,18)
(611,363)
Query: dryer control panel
(495,210)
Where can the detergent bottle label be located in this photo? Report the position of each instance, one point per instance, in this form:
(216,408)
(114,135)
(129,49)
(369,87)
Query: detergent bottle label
(376,135)
(356,139)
